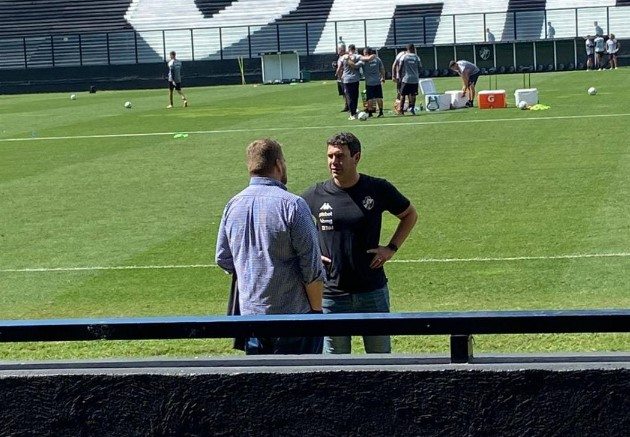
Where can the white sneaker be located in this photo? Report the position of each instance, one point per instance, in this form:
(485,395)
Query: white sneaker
(169,106)
(352,117)
(185,103)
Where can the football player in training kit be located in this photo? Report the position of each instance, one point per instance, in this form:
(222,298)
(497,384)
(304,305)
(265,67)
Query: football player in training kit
(175,80)
(410,77)
(469,73)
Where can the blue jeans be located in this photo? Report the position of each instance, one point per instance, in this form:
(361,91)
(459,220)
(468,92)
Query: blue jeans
(284,345)
(376,301)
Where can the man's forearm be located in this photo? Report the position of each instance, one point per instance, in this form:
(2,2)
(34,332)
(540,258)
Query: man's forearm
(407,221)
(314,292)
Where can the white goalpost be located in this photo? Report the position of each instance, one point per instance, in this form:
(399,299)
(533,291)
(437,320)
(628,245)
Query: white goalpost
(280,66)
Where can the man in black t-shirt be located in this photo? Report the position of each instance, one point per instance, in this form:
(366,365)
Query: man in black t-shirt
(348,209)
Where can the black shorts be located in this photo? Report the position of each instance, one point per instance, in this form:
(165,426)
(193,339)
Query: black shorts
(174,86)
(600,53)
(472,80)
(373,92)
(409,89)
(340,88)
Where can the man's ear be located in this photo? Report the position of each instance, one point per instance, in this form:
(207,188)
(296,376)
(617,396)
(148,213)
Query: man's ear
(357,157)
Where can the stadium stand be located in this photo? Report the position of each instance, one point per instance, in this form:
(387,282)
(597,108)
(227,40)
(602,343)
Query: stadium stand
(65,33)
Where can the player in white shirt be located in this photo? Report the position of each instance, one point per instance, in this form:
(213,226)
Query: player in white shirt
(175,80)
(612,47)
(600,50)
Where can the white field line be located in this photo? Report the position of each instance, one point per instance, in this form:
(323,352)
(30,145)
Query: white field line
(294,128)
(402,261)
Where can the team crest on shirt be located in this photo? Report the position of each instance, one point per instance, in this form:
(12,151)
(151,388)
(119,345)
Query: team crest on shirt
(368,203)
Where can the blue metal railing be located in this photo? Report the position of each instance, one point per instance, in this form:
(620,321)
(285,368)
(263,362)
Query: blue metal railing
(460,326)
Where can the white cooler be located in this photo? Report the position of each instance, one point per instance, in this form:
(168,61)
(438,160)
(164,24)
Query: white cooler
(458,99)
(527,95)
(437,102)
(427,86)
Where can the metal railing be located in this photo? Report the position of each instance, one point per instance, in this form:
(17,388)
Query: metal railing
(460,326)
(216,43)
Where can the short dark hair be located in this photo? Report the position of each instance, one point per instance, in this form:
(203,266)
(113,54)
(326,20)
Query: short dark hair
(346,139)
(450,64)
(352,47)
(411,48)
(262,156)
(172,53)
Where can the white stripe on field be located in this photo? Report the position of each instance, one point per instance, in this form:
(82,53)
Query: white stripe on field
(294,128)
(403,261)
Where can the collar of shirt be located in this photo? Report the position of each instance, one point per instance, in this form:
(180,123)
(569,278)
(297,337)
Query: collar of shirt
(260,180)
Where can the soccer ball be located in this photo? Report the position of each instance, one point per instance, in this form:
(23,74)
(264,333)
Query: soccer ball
(592,91)
(127,105)
(522,104)
(362,116)
(73,96)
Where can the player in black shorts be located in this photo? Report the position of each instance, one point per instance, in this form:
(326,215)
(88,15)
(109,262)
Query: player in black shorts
(469,73)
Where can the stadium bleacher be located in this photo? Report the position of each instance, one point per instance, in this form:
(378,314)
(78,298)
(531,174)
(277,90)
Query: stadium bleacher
(64,33)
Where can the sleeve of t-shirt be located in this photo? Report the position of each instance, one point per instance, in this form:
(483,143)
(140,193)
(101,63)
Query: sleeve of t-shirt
(309,196)
(393,199)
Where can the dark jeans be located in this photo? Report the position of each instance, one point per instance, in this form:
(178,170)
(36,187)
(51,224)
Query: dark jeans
(352,96)
(284,345)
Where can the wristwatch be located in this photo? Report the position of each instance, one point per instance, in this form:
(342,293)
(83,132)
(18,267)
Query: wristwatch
(392,246)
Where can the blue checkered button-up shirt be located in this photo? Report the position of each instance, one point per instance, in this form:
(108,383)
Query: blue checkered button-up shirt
(267,236)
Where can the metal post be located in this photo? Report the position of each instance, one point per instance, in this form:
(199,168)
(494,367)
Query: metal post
(575,53)
(576,23)
(424,29)
(109,59)
(394,25)
(435,64)
(607,20)
(555,56)
(52,49)
(474,55)
(514,21)
(249,41)
(485,36)
(494,55)
(454,31)
(220,43)
(536,58)
(80,51)
(24,50)
(336,37)
(135,45)
(545,24)
(278,36)
(365,33)
(461,348)
(192,45)
(306,34)
(514,53)
(164,44)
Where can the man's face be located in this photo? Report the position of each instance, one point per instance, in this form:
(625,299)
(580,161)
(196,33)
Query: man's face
(341,51)
(340,164)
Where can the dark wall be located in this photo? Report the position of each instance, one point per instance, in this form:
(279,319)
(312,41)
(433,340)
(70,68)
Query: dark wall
(438,402)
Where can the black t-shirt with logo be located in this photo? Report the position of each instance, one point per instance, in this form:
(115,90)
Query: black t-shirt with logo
(349,223)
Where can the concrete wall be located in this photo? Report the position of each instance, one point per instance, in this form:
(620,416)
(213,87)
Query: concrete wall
(249,399)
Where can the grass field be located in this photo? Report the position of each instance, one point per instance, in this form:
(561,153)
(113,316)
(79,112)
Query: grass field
(518,209)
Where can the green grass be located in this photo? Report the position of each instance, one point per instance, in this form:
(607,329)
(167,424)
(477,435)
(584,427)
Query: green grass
(487,184)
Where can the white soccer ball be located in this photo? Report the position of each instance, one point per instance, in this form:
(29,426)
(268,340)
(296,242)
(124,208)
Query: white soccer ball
(522,104)
(362,116)
(592,91)
(73,96)
(127,105)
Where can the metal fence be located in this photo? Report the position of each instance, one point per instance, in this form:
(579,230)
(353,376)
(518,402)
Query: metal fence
(144,46)
(460,326)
